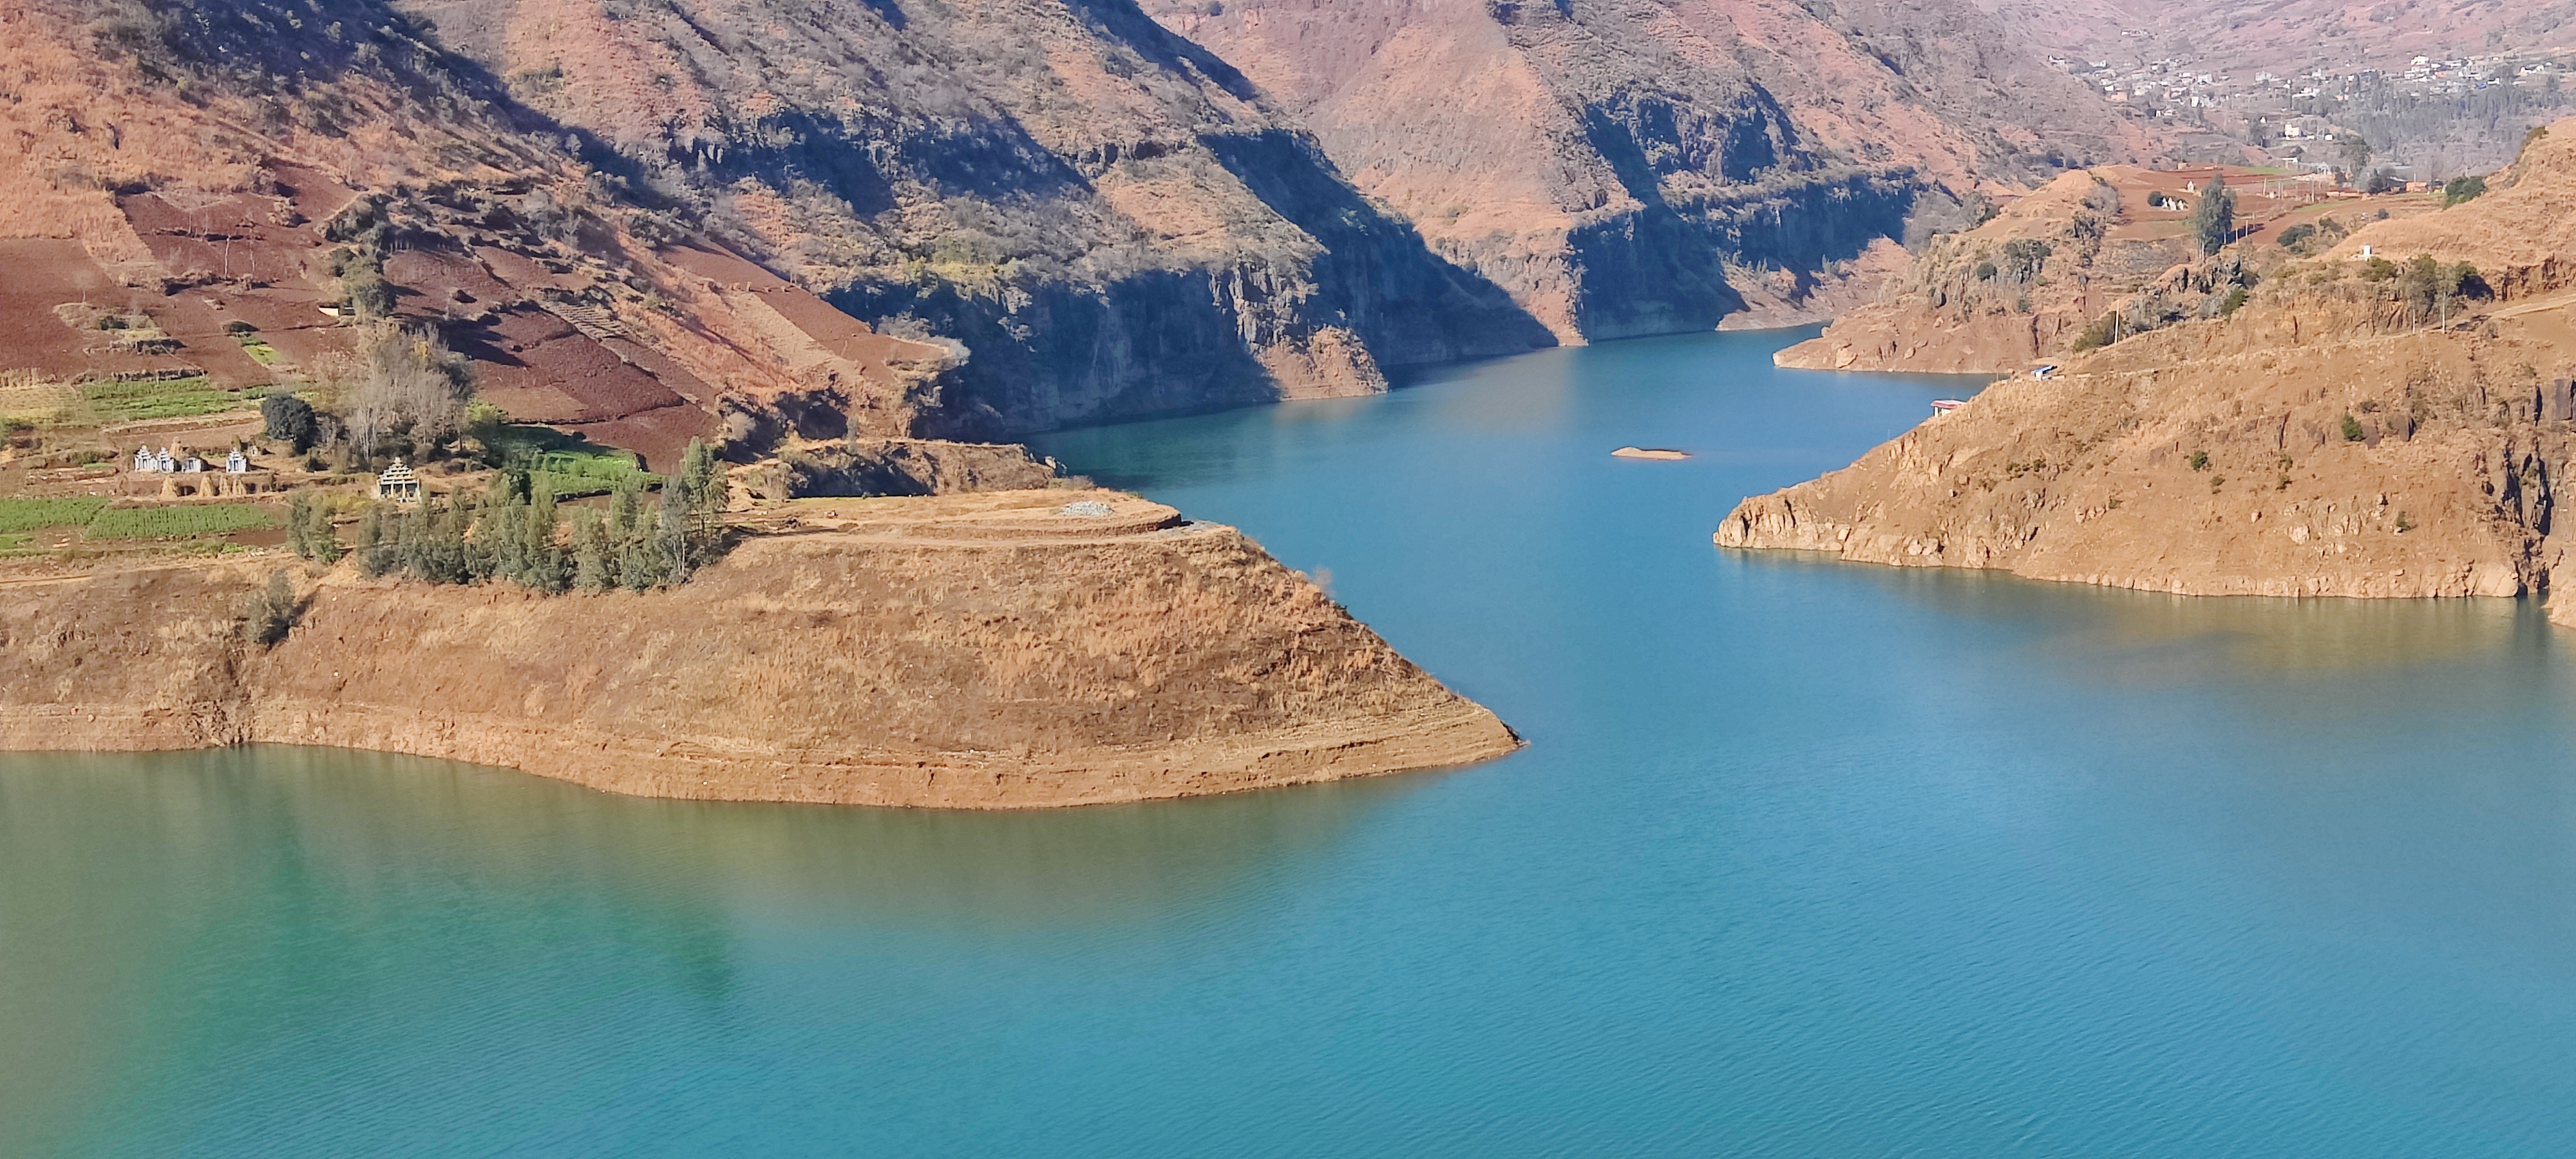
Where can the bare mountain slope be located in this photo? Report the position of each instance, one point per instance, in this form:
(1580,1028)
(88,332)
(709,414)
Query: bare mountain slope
(1628,166)
(1109,217)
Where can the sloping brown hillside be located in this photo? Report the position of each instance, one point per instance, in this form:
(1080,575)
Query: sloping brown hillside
(1627,167)
(2105,242)
(1134,234)
(2353,430)
(1109,218)
(204,183)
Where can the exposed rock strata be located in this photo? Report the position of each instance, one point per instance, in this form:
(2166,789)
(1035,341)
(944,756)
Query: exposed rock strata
(978,652)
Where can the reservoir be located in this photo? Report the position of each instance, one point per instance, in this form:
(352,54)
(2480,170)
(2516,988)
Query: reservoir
(1803,859)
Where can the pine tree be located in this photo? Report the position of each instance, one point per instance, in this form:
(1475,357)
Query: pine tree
(626,509)
(499,540)
(594,554)
(299,516)
(379,543)
(320,540)
(674,538)
(639,565)
(2213,217)
(539,528)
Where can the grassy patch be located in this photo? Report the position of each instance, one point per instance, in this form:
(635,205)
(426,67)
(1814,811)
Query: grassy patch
(29,514)
(177,522)
(596,475)
(259,350)
(11,543)
(570,467)
(120,402)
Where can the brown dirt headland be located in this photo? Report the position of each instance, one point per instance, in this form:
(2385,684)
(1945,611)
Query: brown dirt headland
(990,650)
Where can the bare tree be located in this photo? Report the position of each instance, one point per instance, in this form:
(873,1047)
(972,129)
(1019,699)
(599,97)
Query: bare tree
(409,383)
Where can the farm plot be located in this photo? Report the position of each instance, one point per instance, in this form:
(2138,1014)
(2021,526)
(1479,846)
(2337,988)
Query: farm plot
(189,522)
(124,401)
(30,514)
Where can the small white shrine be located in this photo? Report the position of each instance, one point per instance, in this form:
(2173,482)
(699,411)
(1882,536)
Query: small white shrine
(399,484)
(169,462)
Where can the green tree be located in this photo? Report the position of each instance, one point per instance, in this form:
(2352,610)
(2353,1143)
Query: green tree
(674,539)
(2213,217)
(288,419)
(705,490)
(2461,189)
(312,530)
(544,567)
(626,508)
(299,514)
(640,563)
(594,552)
(379,549)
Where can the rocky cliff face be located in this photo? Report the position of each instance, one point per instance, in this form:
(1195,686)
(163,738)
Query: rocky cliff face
(2352,430)
(1626,167)
(1110,218)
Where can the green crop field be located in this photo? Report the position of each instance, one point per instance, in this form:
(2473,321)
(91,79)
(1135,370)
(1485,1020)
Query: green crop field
(123,402)
(177,522)
(29,514)
(569,465)
(259,350)
(570,475)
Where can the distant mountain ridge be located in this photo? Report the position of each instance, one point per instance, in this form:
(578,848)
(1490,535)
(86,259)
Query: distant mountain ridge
(2283,35)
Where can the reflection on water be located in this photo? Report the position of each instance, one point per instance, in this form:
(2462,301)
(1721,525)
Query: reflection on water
(167,920)
(2110,634)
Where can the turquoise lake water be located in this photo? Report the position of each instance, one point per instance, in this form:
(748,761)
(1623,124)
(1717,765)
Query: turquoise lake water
(1803,859)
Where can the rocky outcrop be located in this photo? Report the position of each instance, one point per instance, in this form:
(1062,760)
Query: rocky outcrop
(1628,167)
(866,467)
(2014,290)
(2223,476)
(2350,431)
(982,651)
